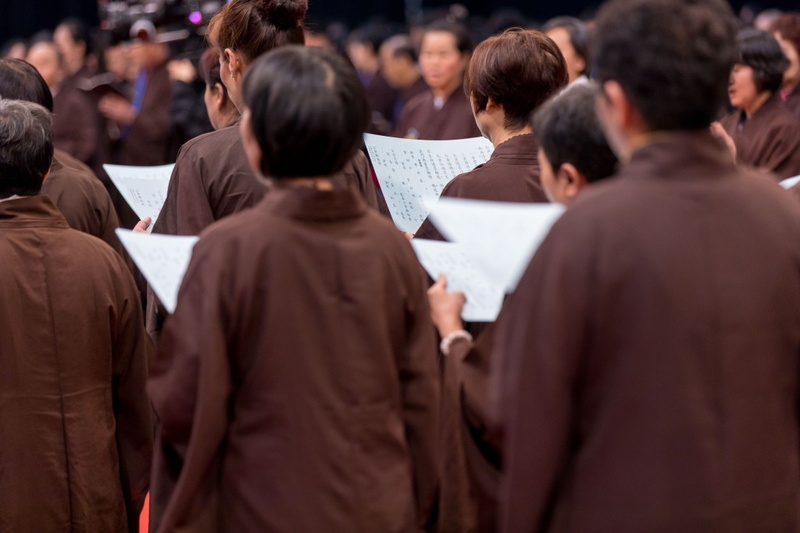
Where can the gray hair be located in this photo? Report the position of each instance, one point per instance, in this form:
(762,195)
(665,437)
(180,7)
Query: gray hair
(26,147)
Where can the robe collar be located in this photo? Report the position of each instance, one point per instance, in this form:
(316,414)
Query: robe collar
(31,212)
(309,203)
(522,148)
(680,153)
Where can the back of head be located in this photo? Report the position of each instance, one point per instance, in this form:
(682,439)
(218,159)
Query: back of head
(761,52)
(19,80)
(518,69)
(671,57)
(569,132)
(209,68)
(26,147)
(77,29)
(307,110)
(254,27)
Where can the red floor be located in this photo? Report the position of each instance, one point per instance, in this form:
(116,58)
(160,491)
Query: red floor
(145,515)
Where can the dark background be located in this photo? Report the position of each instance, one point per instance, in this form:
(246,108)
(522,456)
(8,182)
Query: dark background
(22,18)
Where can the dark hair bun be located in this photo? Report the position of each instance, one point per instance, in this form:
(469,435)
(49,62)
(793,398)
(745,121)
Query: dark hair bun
(286,14)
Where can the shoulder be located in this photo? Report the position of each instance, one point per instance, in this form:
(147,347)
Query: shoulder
(211,142)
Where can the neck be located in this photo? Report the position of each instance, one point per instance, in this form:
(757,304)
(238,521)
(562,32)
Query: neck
(503,135)
(757,103)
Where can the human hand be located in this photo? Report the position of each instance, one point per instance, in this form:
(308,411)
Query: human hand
(142,225)
(719,132)
(117,109)
(446,307)
(182,70)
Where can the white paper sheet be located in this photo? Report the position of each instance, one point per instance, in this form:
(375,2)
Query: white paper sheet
(788,183)
(412,173)
(162,259)
(464,273)
(144,188)
(504,236)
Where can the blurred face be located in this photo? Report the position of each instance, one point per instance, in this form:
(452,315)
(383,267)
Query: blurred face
(389,66)
(44,56)
(575,63)
(742,90)
(117,61)
(792,75)
(441,63)
(73,52)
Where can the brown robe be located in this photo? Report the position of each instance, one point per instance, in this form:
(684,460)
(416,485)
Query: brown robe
(469,449)
(82,200)
(212,179)
(649,363)
(421,120)
(292,394)
(793,101)
(77,122)
(75,421)
(147,140)
(510,175)
(770,139)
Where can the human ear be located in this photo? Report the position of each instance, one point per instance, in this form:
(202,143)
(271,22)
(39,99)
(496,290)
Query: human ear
(573,180)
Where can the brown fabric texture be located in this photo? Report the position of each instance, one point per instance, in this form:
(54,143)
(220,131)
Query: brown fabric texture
(75,422)
(510,175)
(648,366)
(421,120)
(296,384)
(769,139)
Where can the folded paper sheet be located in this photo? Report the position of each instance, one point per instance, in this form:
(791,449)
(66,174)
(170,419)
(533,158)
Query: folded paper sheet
(413,173)
(162,260)
(144,188)
(464,273)
(502,236)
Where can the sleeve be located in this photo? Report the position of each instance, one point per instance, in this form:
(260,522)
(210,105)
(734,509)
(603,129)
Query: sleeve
(420,386)
(359,174)
(539,342)
(134,423)
(186,210)
(782,156)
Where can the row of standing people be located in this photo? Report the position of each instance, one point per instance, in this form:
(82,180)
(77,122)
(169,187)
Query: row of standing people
(209,389)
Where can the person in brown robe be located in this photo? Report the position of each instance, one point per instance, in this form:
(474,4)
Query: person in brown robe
(786,30)
(444,112)
(399,65)
(574,153)
(75,420)
(648,370)
(502,111)
(212,178)
(75,191)
(291,394)
(765,132)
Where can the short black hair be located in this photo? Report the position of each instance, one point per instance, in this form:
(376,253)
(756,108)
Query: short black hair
(671,57)
(578,34)
(568,131)
(761,52)
(19,80)
(459,31)
(78,30)
(26,147)
(308,111)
